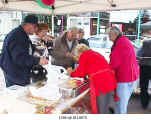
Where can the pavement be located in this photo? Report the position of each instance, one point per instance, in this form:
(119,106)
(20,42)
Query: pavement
(134,106)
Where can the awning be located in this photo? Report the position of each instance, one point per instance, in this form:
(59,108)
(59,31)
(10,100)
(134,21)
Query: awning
(75,6)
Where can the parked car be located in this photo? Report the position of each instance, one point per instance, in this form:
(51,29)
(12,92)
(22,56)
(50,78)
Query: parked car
(101,43)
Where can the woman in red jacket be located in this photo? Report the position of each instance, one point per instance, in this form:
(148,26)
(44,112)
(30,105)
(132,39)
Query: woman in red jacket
(123,62)
(102,80)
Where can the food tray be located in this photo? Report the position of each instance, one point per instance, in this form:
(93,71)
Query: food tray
(68,91)
(40,101)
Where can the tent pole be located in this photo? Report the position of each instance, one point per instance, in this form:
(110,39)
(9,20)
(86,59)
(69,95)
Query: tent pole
(98,23)
(52,20)
(139,27)
(62,24)
(22,13)
(91,26)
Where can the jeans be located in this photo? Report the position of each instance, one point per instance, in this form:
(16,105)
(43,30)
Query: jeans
(124,91)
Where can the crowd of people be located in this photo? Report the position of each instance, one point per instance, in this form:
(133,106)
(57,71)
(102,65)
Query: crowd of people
(115,79)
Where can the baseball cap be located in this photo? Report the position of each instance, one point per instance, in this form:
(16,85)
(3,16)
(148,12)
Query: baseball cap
(31,19)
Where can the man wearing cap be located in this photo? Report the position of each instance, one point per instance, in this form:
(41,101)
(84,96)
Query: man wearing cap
(17,57)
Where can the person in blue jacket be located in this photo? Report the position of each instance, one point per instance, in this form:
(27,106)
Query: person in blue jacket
(17,57)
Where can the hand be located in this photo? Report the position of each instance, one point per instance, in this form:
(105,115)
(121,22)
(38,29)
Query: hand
(46,38)
(68,54)
(76,58)
(69,70)
(43,61)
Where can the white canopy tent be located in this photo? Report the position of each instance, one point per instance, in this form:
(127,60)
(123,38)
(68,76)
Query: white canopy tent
(75,6)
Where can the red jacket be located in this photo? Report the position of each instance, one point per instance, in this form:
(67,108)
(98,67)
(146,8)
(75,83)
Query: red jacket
(123,60)
(101,77)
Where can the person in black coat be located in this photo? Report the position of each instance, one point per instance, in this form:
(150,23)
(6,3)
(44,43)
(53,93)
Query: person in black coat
(81,39)
(17,57)
(144,56)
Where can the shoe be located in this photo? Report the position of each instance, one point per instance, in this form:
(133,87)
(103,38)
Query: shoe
(111,110)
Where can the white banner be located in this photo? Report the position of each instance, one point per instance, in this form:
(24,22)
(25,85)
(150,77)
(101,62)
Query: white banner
(75,117)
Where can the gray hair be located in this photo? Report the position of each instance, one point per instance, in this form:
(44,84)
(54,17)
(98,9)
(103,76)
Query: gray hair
(80,48)
(115,30)
(73,29)
(81,30)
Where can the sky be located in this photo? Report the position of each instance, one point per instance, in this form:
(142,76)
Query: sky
(123,16)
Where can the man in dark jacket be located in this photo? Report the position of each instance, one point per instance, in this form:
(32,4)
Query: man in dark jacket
(81,39)
(17,60)
(144,55)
